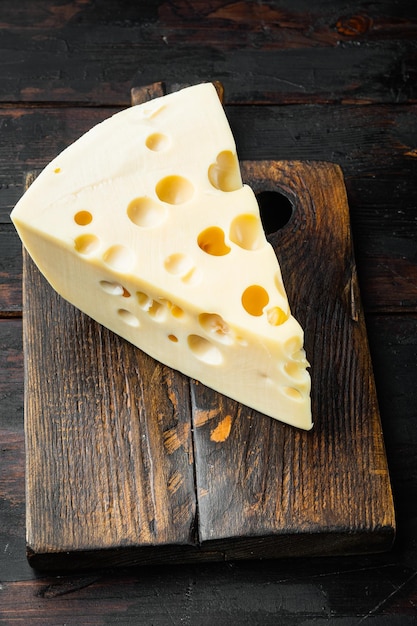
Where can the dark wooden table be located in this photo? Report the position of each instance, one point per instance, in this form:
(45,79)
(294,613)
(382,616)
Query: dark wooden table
(329,81)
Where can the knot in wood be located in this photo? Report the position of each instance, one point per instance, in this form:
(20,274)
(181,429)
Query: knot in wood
(354,25)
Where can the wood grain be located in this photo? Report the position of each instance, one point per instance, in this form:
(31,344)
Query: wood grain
(261,51)
(130,462)
(109,459)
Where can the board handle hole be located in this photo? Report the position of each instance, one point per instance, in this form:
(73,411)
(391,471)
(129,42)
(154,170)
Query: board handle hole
(276,210)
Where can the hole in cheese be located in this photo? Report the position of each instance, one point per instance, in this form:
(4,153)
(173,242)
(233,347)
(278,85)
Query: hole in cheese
(82,218)
(295,369)
(174,189)
(173,338)
(193,277)
(179,264)
(211,241)
(157,142)
(224,174)
(246,231)
(254,300)
(145,212)
(204,350)
(214,324)
(293,345)
(145,302)
(276,316)
(157,310)
(128,317)
(174,309)
(119,258)
(300,356)
(115,289)
(293,393)
(86,244)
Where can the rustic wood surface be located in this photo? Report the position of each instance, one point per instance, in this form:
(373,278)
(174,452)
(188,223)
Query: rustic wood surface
(333,82)
(131,462)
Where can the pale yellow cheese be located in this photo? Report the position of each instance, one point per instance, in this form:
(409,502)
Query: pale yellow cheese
(144,224)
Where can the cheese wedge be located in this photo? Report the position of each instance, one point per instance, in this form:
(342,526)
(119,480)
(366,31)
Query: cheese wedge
(144,224)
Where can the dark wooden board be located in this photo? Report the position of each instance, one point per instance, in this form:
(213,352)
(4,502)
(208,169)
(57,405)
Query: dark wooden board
(266,52)
(131,462)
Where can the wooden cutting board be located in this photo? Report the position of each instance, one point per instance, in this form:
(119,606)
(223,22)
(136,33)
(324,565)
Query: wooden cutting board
(129,462)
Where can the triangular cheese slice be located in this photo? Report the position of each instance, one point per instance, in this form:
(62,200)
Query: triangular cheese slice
(144,225)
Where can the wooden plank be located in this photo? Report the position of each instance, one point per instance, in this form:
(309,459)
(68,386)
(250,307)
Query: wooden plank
(11,372)
(109,449)
(112,450)
(288,594)
(10,272)
(342,74)
(334,53)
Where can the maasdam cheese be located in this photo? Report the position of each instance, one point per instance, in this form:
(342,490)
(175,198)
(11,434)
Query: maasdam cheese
(144,225)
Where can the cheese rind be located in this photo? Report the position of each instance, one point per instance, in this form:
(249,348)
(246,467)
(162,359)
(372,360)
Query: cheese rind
(144,224)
